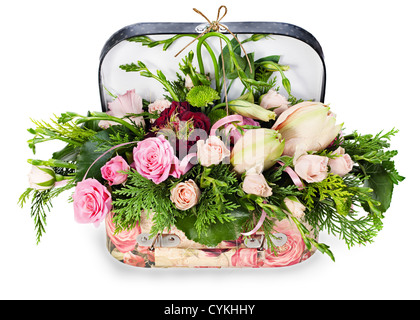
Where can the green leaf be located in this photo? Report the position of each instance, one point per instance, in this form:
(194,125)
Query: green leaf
(216,115)
(381,183)
(88,154)
(250,73)
(231,72)
(217,232)
(343,205)
(68,153)
(274,58)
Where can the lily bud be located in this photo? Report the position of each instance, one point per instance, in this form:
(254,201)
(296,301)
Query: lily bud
(251,110)
(307,126)
(257,148)
(42,178)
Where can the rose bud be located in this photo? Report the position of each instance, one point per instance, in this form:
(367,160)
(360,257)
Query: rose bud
(295,207)
(251,110)
(257,147)
(112,170)
(158,106)
(342,164)
(312,168)
(255,183)
(274,101)
(307,125)
(212,151)
(42,178)
(188,82)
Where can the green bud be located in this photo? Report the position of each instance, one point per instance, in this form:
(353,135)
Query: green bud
(251,110)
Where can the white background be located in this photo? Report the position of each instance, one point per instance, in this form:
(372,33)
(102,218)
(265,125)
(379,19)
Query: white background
(48,64)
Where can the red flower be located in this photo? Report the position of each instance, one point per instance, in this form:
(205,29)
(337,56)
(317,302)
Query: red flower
(171,117)
(176,108)
(200,120)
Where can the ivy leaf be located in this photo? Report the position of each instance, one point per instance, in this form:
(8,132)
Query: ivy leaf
(216,232)
(250,73)
(274,58)
(88,154)
(68,153)
(381,183)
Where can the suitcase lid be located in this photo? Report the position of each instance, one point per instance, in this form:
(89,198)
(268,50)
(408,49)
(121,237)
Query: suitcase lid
(297,48)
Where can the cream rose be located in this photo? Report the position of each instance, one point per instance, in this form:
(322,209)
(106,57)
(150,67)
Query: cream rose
(272,100)
(158,106)
(342,164)
(295,207)
(212,151)
(312,168)
(255,183)
(185,195)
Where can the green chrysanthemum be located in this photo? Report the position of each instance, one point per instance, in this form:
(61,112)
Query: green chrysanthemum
(201,96)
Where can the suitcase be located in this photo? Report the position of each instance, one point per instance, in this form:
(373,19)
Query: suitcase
(148,43)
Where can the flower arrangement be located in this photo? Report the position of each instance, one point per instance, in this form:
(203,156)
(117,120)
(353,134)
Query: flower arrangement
(217,169)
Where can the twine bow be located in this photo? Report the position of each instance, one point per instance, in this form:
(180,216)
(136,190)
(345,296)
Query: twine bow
(216,26)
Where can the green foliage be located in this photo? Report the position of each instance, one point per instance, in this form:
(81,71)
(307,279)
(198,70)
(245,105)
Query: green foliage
(354,230)
(368,147)
(217,184)
(374,162)
(116,135)
(329,206)
(332,188)
(218,216)
(68,132)
(178,87)
(145,72)
(188,69)
(88,154)
(217,231)
(41,203)
(141,194)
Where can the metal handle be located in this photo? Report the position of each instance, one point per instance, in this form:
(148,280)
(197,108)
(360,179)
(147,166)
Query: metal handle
(160,240)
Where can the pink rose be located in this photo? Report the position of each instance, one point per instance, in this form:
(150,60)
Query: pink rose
(273,100)
(124,240)
(212,151)
(342,164)
(111,171)
(92,202)
(128,103)
(185,195)
(255,183)
(291,252)
(312,168)
(155,160)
